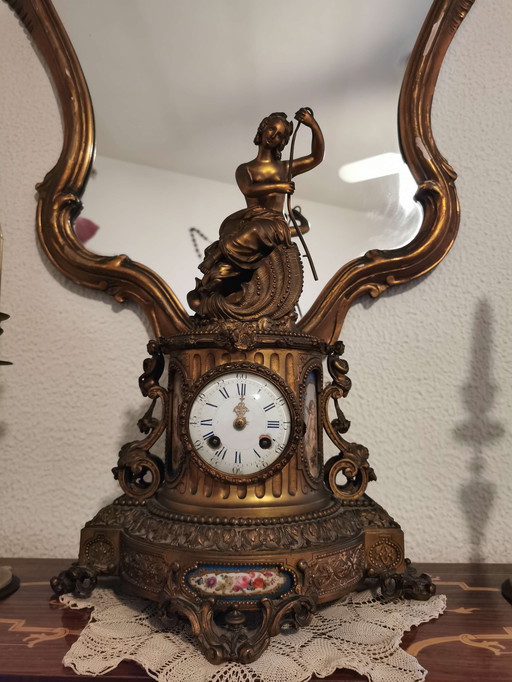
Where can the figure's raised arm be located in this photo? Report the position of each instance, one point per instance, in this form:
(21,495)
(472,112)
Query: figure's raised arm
(305,163)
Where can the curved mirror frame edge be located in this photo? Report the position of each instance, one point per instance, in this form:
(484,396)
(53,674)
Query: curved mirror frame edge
(61,190)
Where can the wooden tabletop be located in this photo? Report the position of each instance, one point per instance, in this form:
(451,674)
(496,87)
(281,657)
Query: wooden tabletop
(472,641)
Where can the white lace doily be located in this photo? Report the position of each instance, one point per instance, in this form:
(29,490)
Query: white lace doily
(361,633)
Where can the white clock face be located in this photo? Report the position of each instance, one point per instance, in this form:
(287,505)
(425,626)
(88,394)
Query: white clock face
(240,423)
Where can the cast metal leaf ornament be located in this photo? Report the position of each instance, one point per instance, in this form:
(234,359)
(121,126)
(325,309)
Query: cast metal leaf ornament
(233,637)
(408,585)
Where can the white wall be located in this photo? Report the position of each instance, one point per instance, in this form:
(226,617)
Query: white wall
(67,401)
(431,365)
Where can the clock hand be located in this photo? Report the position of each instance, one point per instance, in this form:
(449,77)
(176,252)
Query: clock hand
(240,410)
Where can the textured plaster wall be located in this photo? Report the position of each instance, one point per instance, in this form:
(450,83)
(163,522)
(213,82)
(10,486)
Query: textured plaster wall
(71,394)
(430,363)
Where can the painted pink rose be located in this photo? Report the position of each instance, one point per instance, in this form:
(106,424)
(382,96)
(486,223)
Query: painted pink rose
(211,581)
(258,583)
(268,574)
(241,582)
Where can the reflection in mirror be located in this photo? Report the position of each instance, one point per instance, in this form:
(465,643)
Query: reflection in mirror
(178,91)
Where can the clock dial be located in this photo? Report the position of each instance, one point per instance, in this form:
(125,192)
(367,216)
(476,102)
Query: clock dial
(240,423)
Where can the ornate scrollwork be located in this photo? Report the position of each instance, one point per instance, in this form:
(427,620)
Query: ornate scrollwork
(249,535)
(225,635)
(139,472)
(352,462)
(406,585)
(271,293)
(80,580)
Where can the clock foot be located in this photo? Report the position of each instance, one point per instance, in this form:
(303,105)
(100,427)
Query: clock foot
(406,585)
(236,635)
(80,580)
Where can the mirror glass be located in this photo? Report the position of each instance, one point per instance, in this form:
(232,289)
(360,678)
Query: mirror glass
(179,89)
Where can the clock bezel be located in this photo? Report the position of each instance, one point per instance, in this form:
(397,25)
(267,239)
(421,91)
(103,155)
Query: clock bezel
(296,422)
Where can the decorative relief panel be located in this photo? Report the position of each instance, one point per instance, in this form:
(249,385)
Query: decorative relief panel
(335,570)
(146,571)
(248,535)
(100,553)
(384,553)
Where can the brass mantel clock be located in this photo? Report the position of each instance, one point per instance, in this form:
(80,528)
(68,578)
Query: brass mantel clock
(244,523)
(243,529)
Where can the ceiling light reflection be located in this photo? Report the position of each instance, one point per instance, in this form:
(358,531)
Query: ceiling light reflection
(371,167)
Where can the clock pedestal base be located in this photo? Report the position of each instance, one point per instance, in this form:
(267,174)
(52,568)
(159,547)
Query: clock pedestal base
(232,578)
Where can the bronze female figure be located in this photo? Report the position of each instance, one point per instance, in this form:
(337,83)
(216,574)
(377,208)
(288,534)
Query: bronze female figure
(251,234)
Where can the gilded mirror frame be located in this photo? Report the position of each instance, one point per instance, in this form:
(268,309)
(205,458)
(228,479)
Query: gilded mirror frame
(61,191)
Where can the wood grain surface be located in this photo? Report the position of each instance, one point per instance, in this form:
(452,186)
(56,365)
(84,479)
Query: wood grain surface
(472,641)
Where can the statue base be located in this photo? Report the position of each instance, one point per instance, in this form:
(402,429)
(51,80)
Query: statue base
(205,569)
